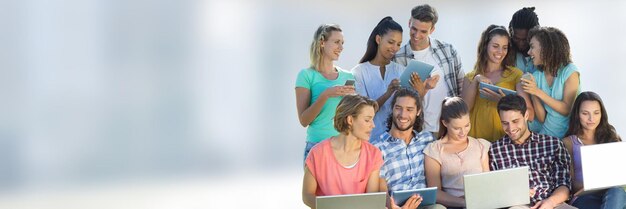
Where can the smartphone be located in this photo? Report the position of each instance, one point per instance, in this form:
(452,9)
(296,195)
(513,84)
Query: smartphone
(526,76)
(349,83)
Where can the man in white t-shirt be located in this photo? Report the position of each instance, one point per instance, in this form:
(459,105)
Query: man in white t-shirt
(441,55)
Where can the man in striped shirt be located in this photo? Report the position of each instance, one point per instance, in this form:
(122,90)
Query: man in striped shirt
(546,156)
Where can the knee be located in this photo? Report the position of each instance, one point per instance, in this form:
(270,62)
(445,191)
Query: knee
(616,192)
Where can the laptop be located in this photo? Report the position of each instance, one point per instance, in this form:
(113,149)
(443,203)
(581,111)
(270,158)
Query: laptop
(375,200)
(497,189)
(601,167)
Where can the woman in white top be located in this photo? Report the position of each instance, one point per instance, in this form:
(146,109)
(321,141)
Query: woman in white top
(377,77)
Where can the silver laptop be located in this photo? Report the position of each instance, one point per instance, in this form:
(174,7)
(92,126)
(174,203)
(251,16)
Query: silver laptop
(376,200)
(497,189)
(602,166)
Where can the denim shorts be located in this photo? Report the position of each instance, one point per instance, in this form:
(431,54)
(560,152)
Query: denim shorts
(307,149)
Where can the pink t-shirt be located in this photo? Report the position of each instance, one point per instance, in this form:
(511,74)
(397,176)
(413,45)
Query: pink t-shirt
(455,165)
(334,179)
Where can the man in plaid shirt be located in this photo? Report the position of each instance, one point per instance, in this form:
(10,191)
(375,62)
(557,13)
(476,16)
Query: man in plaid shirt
(447,74)
(546,156)
(402,147)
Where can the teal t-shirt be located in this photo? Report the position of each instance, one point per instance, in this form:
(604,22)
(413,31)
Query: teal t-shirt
(322,126)
(555,124)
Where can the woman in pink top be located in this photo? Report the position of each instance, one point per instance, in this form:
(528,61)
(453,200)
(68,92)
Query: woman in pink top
(346,163)
(455,154)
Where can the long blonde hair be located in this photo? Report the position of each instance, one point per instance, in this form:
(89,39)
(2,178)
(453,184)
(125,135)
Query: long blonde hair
(321,34)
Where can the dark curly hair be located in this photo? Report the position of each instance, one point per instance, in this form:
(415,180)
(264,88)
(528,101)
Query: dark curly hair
(555,50)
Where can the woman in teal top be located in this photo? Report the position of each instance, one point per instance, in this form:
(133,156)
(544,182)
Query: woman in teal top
(320,87)
(555,84)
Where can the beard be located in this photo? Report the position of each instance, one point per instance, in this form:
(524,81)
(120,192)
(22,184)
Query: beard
(409,126)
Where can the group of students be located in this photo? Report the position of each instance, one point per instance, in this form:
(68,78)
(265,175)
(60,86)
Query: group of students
(377,135)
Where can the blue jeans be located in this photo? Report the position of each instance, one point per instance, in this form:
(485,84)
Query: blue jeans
(612,198)
(307,149)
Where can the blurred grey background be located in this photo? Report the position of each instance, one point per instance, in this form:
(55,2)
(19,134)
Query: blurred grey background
(111,91)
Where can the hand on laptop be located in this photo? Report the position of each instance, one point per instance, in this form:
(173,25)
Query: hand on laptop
(412,203)
(544,204)
(532,192)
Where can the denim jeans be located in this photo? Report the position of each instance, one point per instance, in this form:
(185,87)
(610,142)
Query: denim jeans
(612,198)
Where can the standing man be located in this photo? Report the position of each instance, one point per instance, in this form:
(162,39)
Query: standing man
(402,146)
(441,55)
(546,156)
(521,22)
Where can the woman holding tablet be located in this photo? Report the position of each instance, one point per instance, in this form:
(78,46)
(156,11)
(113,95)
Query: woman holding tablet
(455,154)
(493,66)
(320,87)
(377,77)
(346,163)
(589,124)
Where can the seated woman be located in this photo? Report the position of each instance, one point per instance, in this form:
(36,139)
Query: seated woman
(554,86)
(455,154)
(493,66)
(346,163)
(589,124)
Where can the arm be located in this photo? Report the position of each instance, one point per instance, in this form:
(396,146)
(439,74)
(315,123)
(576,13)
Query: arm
(560,170)
(309,187)
(569,94)
(458,69)
(391,88)
(485,160)
(433,179)
(567,141)
(540,111)
(373,182)
(559,195)
(529,103)
(307,113)
(470,89)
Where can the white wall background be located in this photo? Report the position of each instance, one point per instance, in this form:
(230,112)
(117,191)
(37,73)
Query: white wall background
(118,92)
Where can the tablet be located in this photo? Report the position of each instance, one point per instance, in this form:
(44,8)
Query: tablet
(421,68)
(429,196)
(495,89)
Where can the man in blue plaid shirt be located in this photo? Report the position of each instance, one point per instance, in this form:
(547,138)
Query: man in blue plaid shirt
(546,156)
(402,146)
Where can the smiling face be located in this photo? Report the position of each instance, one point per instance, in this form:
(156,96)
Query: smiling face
(590,114)
(535,51)
(458,128)
(419,32)
(389,44)
(405,112)
(363,123)
(514,125)
(497,49)
(332,47)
